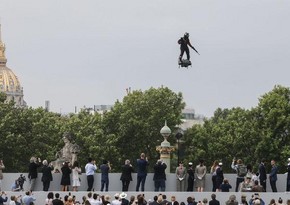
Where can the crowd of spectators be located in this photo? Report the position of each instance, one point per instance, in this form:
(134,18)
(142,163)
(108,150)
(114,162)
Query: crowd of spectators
(93,198)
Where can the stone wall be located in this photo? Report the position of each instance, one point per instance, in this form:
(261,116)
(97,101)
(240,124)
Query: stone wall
(116,185)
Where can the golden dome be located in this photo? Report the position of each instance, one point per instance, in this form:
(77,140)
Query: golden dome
(8,80)
(9,83)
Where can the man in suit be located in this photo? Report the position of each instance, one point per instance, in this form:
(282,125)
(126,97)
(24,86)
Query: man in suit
(263,174)
(159,175)
(213,200)
(57,201)
(126,175)
(273,176)
(142,164)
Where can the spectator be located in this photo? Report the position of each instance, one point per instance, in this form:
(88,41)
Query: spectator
(232,200)
(124,201)
(246,185)
(273,176)
(95,200)
(32,171)
(225,186)
(14,200)
(241,171)
(256,200)
(243,200)
(65,179)
(90,171)
(190,178)
(257,187)
(288,175)
(272,202)
(46,175)
(126,176)
(76,171)
(213,173)
(28,198)
(106,200)
(3,198)
(200,172)
(49,199)
(191,201)
(15,186)
(57,200)
(159,175)
(180,177)
(219,176)
(1,173)
(263,174)
(105,169)
(116,201)
(213,200)
(142,164)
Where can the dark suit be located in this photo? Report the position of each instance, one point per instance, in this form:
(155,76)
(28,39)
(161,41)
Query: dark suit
(273,178)
(263,175)
(214,202)
(126,176)
(57,202)
(141,173)
(46,177)
(159,176)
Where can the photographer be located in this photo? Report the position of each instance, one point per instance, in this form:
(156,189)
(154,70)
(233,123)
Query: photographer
(241,171)
(126,175)
(1,174)
(90,171)
(105,169)
(46,175)
(159,175)
(32,174)
(14,200)
(3,198)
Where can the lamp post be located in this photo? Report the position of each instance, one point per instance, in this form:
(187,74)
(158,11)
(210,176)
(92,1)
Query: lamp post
(165,149)
(178,136)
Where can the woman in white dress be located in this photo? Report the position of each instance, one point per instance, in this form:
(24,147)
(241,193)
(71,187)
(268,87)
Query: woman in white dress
(76,171)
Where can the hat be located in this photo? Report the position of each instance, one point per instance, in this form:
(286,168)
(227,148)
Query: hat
(123,195)
(116,195)
(220,164)
(190,163)
(289,159)
(107,197)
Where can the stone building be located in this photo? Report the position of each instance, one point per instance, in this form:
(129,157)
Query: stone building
(9,83)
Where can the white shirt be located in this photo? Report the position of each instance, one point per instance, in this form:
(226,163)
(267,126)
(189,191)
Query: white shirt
(90,168)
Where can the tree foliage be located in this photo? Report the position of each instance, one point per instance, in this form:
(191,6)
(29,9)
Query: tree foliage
(261,132)
(133,126)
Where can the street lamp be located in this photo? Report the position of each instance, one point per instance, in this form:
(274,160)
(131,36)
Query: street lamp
(178,136)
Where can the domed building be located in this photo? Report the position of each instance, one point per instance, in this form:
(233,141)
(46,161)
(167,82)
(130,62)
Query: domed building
(9,83)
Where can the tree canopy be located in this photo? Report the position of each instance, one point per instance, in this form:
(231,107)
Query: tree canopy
(133,126)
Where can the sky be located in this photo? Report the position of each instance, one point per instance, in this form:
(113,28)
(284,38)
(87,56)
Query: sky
(86,53)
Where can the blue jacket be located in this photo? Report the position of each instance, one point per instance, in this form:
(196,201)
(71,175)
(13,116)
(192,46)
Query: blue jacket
(273,173)
(142,167)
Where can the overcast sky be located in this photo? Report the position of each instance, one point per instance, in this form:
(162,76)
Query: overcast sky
(85,53)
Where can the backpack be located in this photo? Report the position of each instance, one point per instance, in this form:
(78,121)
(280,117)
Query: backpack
(179,41)
(242,170)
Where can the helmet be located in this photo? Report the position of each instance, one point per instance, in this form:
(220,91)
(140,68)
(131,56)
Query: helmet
(186,34)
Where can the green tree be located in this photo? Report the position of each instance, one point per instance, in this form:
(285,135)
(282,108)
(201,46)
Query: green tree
(273,115)
(136,121)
